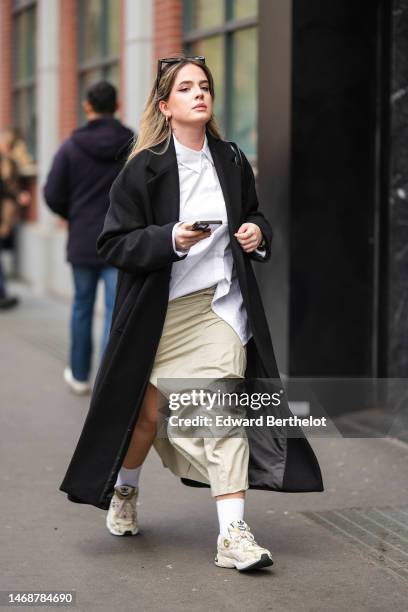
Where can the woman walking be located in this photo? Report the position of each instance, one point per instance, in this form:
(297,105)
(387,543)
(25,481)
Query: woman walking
(187,307)
(13,197)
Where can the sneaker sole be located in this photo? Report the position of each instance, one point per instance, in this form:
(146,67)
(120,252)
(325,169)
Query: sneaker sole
(84,391)
(128,532)
(264,561)
(75,392)
(8,306)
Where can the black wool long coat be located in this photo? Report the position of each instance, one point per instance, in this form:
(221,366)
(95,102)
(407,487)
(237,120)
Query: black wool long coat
(137,239)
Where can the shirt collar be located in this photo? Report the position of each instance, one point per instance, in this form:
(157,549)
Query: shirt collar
(189,157)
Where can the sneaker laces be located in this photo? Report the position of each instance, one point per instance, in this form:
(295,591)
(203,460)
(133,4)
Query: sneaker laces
(125,509)
(242,535)
(246,538)
(123,505)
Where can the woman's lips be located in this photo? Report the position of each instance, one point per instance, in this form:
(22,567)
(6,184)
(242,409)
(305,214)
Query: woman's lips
(200,108)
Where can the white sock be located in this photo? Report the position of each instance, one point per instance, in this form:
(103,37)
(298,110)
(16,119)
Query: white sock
(229,510)
(128,477)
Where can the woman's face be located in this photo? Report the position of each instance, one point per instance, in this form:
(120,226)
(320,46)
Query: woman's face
(6,139)
(190,101)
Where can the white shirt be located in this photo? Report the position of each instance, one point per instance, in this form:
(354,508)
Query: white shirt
(210,261)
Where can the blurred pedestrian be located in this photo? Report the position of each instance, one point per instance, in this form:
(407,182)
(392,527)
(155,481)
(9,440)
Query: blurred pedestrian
(77,189)
(15,147)
(12,196)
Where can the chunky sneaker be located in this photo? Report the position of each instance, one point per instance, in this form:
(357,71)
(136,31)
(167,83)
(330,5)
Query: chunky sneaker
(7,302)
(240,550)
(121,518)
(76,386)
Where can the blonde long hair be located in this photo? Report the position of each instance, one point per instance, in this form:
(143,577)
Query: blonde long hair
(15,147)
(154,129)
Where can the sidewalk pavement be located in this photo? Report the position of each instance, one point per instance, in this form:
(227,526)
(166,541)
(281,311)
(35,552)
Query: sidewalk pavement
(340,550)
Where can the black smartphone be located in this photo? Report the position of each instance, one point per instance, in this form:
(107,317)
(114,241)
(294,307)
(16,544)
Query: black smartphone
(199,226)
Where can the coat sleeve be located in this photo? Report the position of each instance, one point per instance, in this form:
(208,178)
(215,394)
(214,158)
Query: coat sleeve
(127,242)
(56,189)
(253,214)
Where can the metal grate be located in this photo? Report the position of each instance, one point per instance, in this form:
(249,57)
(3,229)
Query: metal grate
(380,533)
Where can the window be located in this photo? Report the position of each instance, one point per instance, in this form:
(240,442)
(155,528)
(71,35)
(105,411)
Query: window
(225,32)
(98,44)
(24,68)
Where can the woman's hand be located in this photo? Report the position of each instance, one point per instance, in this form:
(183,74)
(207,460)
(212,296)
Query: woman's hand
(249,237)
(185,237)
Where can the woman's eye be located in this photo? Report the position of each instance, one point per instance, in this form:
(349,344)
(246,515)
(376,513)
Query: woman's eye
(203,87)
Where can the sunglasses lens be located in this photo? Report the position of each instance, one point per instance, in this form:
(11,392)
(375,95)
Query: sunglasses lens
(174,60)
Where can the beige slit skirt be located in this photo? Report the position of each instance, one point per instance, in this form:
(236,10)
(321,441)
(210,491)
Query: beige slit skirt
(197,344)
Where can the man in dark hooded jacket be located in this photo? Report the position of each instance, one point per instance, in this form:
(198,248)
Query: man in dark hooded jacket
(77,189)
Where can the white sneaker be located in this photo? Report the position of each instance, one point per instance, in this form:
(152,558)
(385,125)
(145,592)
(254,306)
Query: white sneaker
(240,550)
(77,386)
(122,518)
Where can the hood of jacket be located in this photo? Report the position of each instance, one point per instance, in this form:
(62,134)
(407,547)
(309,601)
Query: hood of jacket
(105,139)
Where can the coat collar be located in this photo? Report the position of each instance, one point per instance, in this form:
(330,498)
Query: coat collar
(164,187)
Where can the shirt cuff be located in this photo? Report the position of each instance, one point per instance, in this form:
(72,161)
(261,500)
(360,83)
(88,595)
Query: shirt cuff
(173,237)
(261,252)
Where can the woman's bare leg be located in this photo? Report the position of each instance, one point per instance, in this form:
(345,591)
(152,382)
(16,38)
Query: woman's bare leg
(238,494)
(122,517)
(144,431)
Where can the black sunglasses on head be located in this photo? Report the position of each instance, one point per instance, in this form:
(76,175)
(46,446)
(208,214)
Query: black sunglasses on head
(174,60)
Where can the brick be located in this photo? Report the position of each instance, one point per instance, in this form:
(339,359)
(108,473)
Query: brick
(6,63)
(68,73)
(167,28)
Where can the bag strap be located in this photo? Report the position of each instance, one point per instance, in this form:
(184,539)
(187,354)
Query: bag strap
(238,156)
(238,161)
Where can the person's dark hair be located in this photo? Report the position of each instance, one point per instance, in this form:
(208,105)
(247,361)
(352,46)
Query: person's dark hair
(102,97)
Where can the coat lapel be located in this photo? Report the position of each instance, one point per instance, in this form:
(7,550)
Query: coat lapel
(229,175)
(164,187)
(163,184)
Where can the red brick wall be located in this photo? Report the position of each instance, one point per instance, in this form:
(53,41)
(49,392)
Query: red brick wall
(68,76)
(6,85)
(121,97)
(5,62)
(167,29)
